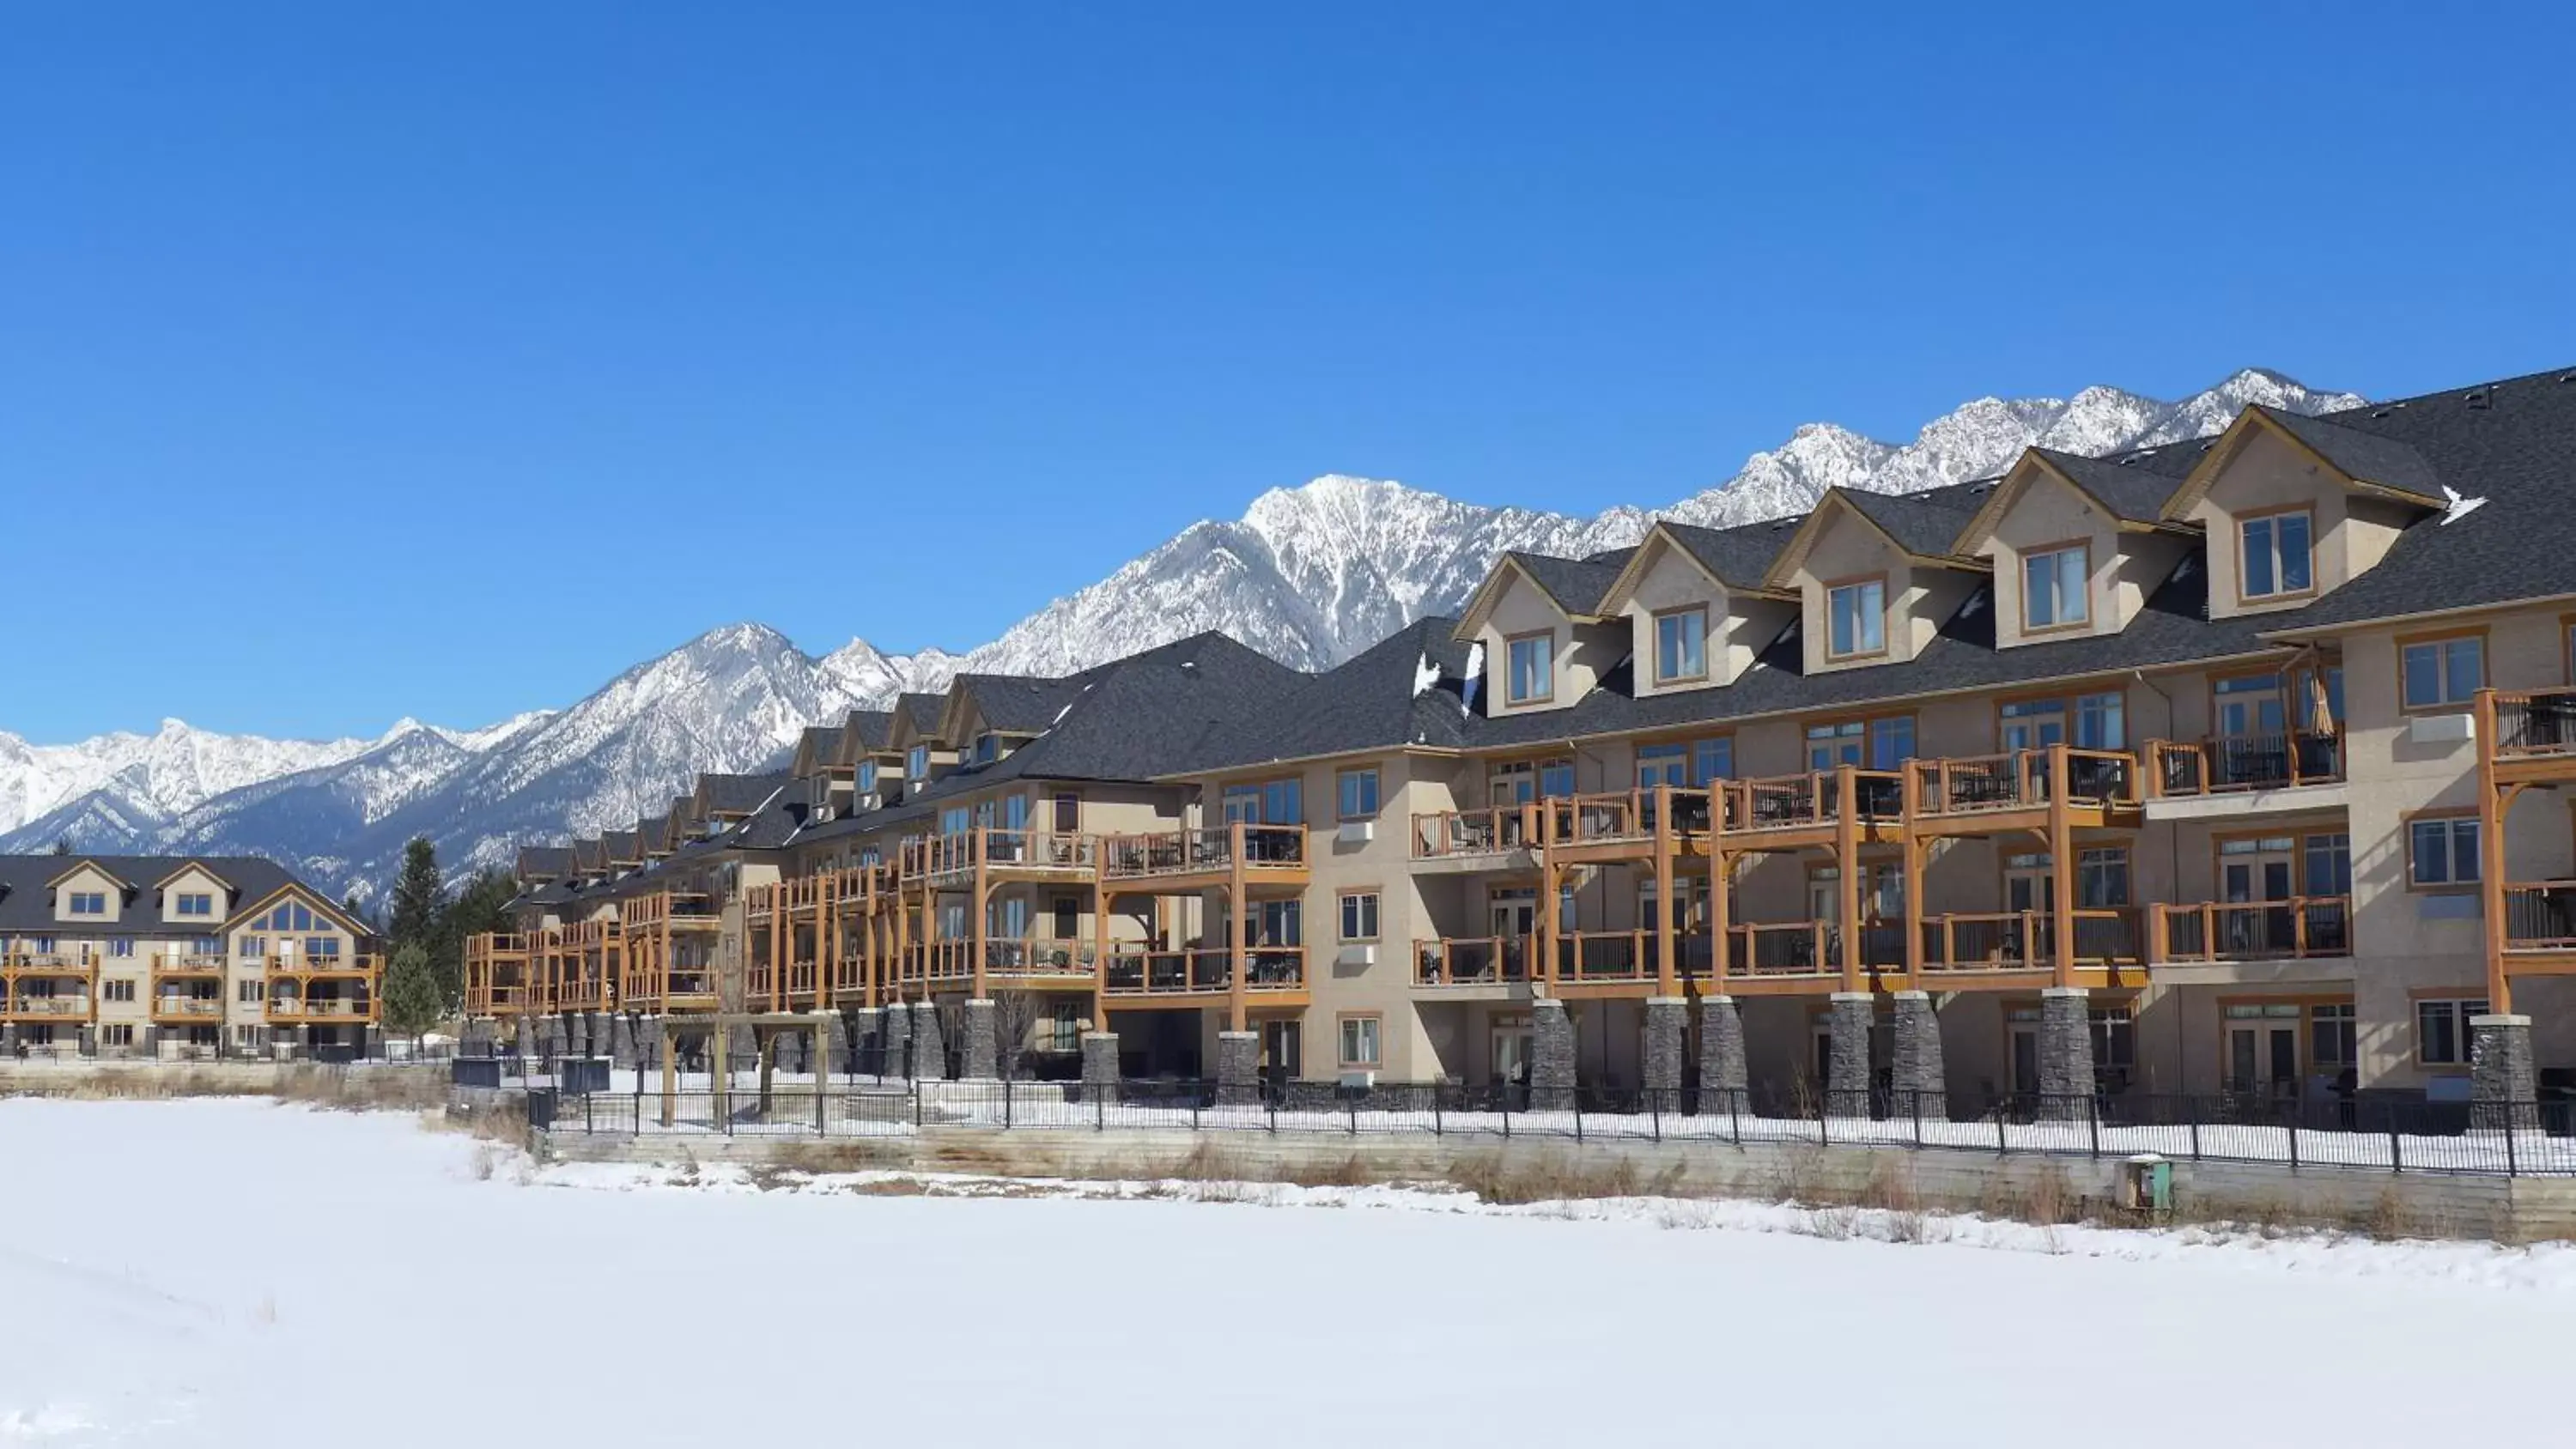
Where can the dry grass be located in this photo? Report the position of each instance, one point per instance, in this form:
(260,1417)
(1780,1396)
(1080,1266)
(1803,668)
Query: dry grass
(1547,1176)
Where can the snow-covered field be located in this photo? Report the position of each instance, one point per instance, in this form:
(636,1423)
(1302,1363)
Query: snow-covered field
(235,1273)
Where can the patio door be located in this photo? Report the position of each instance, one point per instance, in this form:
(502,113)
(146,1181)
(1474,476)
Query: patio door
(2250,873)
(1511,1051)
(2024,1030)
(1513,920)
(1283,1050)
(2263,1052)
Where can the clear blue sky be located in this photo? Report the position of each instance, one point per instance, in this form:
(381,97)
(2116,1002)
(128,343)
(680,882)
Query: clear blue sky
(443,359)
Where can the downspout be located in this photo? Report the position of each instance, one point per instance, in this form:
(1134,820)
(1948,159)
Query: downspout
(2173,853)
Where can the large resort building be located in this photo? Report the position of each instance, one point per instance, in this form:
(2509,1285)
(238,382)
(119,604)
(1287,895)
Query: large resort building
(2235,765)
(179,958)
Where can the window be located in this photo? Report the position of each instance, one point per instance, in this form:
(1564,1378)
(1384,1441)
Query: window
(2056,588)
(121,946)
(2442,1030)
(1533,669)
(287,918)
(2442,673)
(1271,802)
(1278,923)
(2331,1036)
(2115,1038)
(956,820)
(1068,918)
(867,777)
(326,946)
(1856,614)
(89,903)
(1662,765)
(1357,790)
(2329,864)
(988,748)
(2442,852)
(1875,744)
(1060,1034)
(247,993)
(1681,645)
(120,990)
(196,903)
(1359,1042)
(916,763)
(206,946)
(1359,916)
(1713,760)
(1556,779)
(2101,878)
(2101,722)
(1067,812)
(2276,554)
(252,946)
(246,1037)
(116,1034)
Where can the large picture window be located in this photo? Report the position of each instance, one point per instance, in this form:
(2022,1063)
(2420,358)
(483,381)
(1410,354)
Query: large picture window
(2056,588)
(2277,553)
(1533,669)
(1857,619)
(1681,645)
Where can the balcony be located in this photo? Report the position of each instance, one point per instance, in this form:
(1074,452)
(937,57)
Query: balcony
(49,1008)
(1626,819)
(2533,732)
(320,1011)
(187,1009)
(2540,917)
(1811,801)
(2301,928)
(1042,852)
(300,965)
(1202,971)
(2009,941)
(1452,834)
(679,909)
(1205,856)
(189,965)
(2022,780)
(52,963)
(2185,769)
(1473,961)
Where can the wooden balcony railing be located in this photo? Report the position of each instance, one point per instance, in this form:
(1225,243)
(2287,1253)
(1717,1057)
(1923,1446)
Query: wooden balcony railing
(2540,917)
(1624,816)
(190,964)
(2534,722)
(2027,940)
(1200,852)
(303,965)
(2021,780)
(1473,961)
(961,851)
(1040,957)
(1492,831)
(1790,802)
(1200,971)
(1784,948)
(297,1011)
(2182,768)
(2293,929)
(187,1008)
(52,963)
(50,1006)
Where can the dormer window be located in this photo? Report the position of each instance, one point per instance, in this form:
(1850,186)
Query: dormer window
(196,903)
(1533,669)
(917,763)
(867,777)
(2278,553)
(89,903)
(1681,645)
(2056,588)
(988,748)
(1856,615)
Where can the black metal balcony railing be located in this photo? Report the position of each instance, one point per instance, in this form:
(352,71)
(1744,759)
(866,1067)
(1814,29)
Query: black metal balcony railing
(2299,928)
(2535,722)
(2540,917)
(2245,762)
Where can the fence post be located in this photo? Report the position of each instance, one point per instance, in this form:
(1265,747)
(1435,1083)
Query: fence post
(1100,1109)
(1506,1099)
(1354,1106)
(916,1106)
(819,1129)
(1655,1112)
(1006,1104)
(2093,1124)
(1824,1124)
(2195,1128)
(1435,1111)
(1578,1114)
(2395,1162)
(2002,1145)
(1271,1109)
(1734,1122)
(2294,1139)
(2512,1166)
(1918,1120)
(586,1124)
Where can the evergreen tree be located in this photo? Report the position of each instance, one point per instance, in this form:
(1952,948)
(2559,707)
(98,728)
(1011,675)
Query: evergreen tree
(472,911)
(418,897)
(63,846)
(412,1003)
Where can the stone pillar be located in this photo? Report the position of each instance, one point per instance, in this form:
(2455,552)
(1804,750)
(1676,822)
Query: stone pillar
(151,1043)
(896,1030)
(982,1056)
(867,1042)
(742,1047)
(1099,1065)
(1238,1068)
(929,1043)
(550,1036)
(1724,1076)
(8,1036)
(373,1046)
(576,1033)
(527,1035)
(837,1039)
(1551,1056)
(2065,1054)
(1922,1083)
(1847,1022)
(648,1044)
(2501,1079)
(621,1042)
(1667,1017)
(89,1041)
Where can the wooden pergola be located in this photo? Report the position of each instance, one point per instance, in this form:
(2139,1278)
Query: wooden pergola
(767,1028)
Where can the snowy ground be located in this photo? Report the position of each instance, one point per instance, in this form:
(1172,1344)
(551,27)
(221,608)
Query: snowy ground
(234,1273)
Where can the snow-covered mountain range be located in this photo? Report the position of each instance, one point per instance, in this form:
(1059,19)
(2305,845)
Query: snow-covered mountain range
(1310,575)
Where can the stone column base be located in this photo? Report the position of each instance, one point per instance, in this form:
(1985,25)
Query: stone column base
(1551,1056)
(896,1030)
(1724,1075)
(837,1042)
(867,1042)
(929,1043)
(981,1050)
(2065,1054)
(1238,1068)
(1099,1065)
(2501,1077)
(1922,1083)
(525,1035)
(1667,1018)
(1848,1020)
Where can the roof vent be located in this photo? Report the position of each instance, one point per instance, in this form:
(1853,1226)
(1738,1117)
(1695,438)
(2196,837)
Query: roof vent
(2479,399)
(2379,412)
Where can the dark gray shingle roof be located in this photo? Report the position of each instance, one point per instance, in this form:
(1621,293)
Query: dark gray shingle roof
(27,907)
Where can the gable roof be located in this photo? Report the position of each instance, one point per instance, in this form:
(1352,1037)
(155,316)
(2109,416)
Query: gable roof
(97,863)
(866,732)
(817,748)
(1574,586)
(734,794)
(539,863)
(1919,525)
(1008,703)
(2363,457)
(26,882)
(1373,701)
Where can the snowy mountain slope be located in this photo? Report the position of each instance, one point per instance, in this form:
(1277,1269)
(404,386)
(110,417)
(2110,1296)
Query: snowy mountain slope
(1309,575)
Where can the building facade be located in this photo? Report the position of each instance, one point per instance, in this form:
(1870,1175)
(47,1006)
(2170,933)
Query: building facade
(2235,765)
(179,958)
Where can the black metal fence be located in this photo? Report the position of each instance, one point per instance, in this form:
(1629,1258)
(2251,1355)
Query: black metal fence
(2511,1139)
